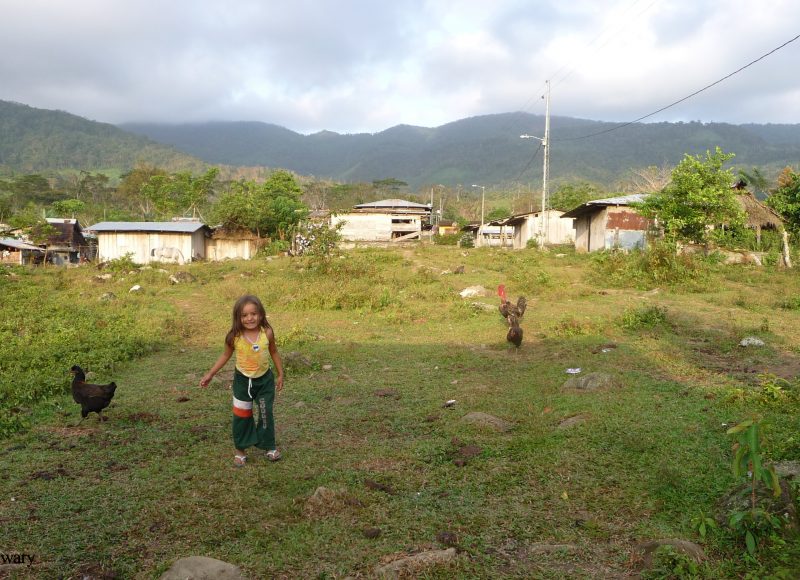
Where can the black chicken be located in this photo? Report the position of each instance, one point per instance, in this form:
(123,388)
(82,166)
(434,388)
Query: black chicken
(91,398)
(514,335)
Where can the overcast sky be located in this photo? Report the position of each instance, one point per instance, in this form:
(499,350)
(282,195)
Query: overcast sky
(366,65)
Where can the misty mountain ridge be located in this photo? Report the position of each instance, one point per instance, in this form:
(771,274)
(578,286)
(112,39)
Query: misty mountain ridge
(485,149)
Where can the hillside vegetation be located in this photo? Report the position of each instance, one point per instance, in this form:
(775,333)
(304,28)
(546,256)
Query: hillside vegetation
(484,150)
(374,343)
(35,140)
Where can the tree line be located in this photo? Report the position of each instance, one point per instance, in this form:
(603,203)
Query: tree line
(686,198)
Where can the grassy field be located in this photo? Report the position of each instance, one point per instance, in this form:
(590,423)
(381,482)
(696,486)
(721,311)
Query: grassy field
(387,339)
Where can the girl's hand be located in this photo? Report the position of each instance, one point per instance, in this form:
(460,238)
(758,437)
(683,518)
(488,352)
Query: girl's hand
(279,383)
(205,381)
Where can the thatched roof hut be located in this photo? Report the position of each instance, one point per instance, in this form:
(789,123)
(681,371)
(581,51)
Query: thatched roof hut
(759,215)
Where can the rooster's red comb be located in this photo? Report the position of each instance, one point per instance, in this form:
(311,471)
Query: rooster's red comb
(501,291)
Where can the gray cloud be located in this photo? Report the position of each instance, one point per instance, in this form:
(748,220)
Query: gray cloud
(360,65)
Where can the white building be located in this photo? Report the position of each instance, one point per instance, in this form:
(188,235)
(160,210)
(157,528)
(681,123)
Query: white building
(389,220)
(180,241)
(548,227)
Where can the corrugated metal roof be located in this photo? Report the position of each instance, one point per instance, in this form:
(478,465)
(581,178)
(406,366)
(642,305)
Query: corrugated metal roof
(174,227)
(621,200)
(392,203)
(18,244)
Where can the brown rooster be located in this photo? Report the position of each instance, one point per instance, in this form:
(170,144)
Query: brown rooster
(91,398)
(514,335)
(506,307)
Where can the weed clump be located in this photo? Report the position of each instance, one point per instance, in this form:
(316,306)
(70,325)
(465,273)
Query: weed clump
(659,265)
(643,317)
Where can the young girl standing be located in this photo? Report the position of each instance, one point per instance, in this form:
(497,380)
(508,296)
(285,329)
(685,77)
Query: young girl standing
(251,337)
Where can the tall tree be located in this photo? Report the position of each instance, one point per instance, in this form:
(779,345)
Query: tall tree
(272,208)
(569,196)
(698,196)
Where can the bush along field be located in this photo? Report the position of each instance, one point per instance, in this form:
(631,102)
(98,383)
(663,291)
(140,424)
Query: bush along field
(647,425)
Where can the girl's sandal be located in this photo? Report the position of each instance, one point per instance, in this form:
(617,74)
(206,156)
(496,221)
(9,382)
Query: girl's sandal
(274,455)
(240,460)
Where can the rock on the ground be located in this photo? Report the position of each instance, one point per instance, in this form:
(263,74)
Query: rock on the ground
(751,341)
(473,291)
(409,564)
(486,420)
(788,469)
(572,421)
(590,382)
(202,568)
(296,360)
(690,549)
(739,499)
(181,277)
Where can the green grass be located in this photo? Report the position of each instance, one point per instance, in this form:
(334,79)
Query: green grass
(156,482)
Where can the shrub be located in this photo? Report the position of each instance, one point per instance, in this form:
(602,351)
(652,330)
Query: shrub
(447,240)
(643,317)
(273,248)
(658,265)
(122,264)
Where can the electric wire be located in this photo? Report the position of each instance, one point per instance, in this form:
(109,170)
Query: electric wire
(530,161)
(555,81)
(687,97)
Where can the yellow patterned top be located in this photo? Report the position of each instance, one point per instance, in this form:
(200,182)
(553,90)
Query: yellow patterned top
(252,359)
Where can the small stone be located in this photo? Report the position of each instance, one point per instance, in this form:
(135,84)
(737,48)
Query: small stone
(486,420)
(327,367)
(199,567)
(135,288)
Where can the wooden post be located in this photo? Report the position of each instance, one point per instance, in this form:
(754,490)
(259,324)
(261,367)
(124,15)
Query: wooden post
(787,258)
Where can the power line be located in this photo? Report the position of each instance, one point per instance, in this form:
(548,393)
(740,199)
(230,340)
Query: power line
(524,169)
(626,22)
(737,71)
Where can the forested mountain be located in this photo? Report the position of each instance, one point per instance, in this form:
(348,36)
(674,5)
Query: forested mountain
(34,140)
(484,149)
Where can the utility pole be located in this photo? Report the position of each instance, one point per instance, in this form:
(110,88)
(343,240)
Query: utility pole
(483,202)
(546,168)
(546,155)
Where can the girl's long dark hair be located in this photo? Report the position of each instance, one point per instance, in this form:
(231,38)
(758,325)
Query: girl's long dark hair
(237,327)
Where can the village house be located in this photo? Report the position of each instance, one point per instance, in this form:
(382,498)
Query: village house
(547,228)
(176,241)
(606,224)
(489,235)
(223,244)
(68,245)
(447,229)
(388,220)
(18,252)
